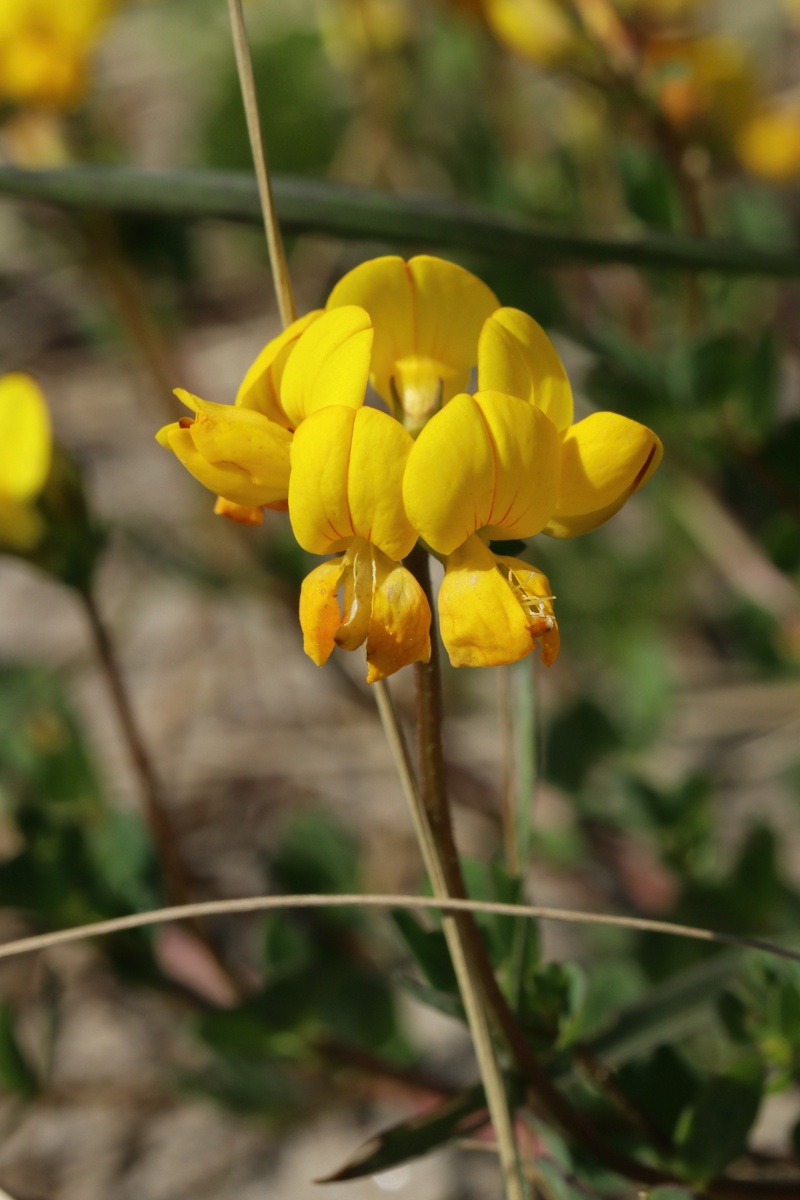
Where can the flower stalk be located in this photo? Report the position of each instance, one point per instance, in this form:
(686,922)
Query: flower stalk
(430,696)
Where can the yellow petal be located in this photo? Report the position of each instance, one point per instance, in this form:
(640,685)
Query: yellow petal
(378,457)
(484,621)
(319,610)
(347,471)
(25,437)
(769,144)
(328,365)
(427,315)
(605,459)
(539,30)
(229,479)
(400,621)
(531,589)
(318,507)
(516,356)
(484,462)
(261,387)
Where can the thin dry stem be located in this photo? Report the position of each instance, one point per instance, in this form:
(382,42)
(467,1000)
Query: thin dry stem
(249,904)
(277,257)
(491,1075)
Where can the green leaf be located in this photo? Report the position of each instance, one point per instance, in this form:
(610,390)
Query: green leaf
(713,1131)
(303,108)
(459,1116)
(443,1002)
(429,948)
(661,1087)
(316,854)
(16,1073)
(647,185)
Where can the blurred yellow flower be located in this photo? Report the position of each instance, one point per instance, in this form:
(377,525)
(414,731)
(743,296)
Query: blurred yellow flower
(44,48)
(542,31)
(25,455)
(768,145)
(701,82)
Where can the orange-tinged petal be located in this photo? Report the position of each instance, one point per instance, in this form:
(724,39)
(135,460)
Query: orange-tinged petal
(532,590)
(516,356)
(320,614)
(605,459)
(347,471)
(383,604)
(261,387)
(243,514)
(329,364)
(485,462)
(400,621)
(358,587)
(25,437)
(484,621)
(427,315)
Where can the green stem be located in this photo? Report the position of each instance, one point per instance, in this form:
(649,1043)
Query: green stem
(311,206)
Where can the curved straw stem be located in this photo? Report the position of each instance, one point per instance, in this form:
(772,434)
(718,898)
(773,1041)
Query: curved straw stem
(249,904)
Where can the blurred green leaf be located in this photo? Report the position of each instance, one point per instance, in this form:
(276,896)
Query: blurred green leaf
(713,1130)
(647,186)
(576,741)
(660,1087)
(16,1073)
(304,108)
(458,1116)
(429,948)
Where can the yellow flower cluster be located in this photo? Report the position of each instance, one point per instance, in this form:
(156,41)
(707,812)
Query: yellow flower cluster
(25,455)
(448,468)
(44,45)
(703,84)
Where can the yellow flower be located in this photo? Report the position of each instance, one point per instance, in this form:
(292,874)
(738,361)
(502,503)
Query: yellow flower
(509,464)
(345,494)
(427,314)
(241,451)
(25,455)
(542,31)
(768,144)
(44,47)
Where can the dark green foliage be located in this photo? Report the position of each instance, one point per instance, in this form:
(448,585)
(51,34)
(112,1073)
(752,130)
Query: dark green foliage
(458,1116)
(713,1130)
(303,120)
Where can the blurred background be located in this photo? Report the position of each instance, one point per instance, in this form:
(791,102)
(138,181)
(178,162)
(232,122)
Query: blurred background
(665,740)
